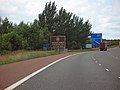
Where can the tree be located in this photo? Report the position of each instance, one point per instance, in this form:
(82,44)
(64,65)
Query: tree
(33,34)
(0,21)
(6,26)
(47,17)
(35,37)
(85,30)
(76,28)
(65,23)
(4,45)
(62,25)
(15,40)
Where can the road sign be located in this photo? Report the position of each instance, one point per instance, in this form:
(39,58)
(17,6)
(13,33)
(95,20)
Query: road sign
(58,42)
(88,45)
(96,38)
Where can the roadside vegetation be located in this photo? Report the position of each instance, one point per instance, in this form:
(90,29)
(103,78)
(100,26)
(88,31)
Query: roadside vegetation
(112,43)
(24,41)
(17,56)
(28,38)
(31,36)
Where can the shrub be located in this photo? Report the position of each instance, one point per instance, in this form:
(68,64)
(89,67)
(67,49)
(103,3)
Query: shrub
(5,46)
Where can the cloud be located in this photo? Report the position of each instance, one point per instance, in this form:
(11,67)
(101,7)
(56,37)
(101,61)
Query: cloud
(116,6)
(19,10)
(4,11)
(104,15)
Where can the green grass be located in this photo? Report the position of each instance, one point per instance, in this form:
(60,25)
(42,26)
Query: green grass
(24,55)
(27,55)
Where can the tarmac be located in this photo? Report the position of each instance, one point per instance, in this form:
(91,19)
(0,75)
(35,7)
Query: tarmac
(11,73)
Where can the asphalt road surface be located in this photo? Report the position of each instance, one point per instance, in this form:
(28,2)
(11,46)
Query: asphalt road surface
(96,70)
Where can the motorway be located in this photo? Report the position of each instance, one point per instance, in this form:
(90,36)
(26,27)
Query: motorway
(94,70)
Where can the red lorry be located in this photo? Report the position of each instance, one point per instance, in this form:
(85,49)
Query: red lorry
(103,46)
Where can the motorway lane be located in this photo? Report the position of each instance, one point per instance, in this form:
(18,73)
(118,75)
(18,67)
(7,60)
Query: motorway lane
(109,60)
(115,52)
(89,71)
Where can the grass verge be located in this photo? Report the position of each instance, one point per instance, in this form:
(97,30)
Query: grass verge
(84,50)
(24,55)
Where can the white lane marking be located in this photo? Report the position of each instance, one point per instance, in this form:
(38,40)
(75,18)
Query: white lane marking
(93,58)
(112,55)
(119,77)
(116,57)
(107,69)
(36,72)
(99,64)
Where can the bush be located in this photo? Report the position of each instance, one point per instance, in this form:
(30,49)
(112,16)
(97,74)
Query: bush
(5,46)
(10,42)
(15,40)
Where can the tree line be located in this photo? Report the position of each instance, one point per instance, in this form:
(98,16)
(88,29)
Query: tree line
(31,36)
(114,42)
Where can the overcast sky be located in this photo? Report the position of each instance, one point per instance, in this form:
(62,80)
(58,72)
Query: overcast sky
(104,15)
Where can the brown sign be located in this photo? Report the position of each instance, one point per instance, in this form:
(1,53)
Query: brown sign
(58,41)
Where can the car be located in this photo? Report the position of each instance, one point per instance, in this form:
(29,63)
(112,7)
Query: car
(103,46)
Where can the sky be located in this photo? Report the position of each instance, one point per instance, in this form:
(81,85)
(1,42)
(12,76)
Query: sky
(104,15)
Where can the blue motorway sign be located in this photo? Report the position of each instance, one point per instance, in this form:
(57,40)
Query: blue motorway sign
(96,38)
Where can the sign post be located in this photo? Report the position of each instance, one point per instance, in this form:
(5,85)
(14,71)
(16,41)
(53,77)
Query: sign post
(58,42)
(96,39)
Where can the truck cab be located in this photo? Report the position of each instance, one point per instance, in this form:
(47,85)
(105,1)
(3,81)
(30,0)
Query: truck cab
(103,46)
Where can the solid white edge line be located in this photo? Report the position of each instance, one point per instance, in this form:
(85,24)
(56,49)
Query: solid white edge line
(36,72)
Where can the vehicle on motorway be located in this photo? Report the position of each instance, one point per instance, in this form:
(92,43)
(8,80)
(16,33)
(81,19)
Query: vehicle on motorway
(103,46)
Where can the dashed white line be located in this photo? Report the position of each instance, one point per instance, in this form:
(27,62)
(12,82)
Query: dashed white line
(116,57)
(93,58)
(107,69)
(112,55)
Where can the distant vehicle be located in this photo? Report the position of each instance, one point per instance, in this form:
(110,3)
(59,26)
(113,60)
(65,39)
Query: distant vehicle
(103,46)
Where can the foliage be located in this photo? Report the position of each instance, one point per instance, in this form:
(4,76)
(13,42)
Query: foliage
(114,42)
(15,40)
(37,35)
(65,23)
(31,36)
(47,17)
(5,46)
(5,26)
